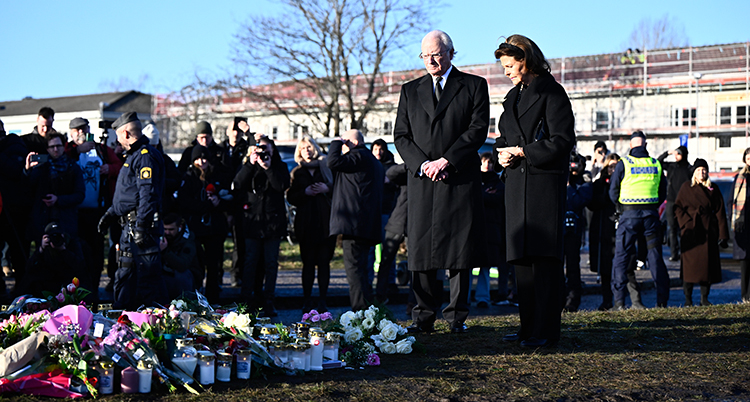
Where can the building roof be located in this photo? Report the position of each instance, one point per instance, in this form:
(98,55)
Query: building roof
(113,101)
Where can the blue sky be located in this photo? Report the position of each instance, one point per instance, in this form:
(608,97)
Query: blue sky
(61,48)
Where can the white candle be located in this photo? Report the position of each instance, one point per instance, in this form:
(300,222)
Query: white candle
(106,381)
(206,372)
(144,381)
(223,372)
(316,353)
(243,366)
(187,366)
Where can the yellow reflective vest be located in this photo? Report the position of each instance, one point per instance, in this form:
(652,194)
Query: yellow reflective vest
(640,182)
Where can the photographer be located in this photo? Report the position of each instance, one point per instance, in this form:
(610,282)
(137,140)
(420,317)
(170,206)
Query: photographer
(57,183)
(579,195)
(53,264)
(260,186)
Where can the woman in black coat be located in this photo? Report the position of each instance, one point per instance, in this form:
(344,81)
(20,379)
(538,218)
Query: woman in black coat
(602,230)
(310,192)
(260,185)
(537,135)
(202,200)
(738,220)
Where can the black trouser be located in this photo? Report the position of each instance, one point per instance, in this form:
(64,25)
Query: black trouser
(540,298)
(88,220)
(238,255)
(391,242)
(138,280)
(673,230)
(316,254)
(428,292)
(745,280)
(355,262)
(213,258)
(572,250)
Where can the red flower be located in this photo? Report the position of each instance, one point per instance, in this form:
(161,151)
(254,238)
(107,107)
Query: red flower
(124,320)
(76,282)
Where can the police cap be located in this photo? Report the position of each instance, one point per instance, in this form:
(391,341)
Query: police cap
(125,119)
(638,134)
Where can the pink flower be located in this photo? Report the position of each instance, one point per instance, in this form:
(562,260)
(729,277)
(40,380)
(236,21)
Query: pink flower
(314,312)
(71,288)
(373,360)
(60,297)
(305,317)
(326,316)
(315,318)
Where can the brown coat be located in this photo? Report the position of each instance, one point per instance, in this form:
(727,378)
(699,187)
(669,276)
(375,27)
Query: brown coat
(703,221)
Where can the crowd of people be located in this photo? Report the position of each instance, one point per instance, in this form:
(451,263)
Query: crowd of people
(526,208)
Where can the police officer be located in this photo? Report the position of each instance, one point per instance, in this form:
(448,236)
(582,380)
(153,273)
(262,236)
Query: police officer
(137,204)
(638,185)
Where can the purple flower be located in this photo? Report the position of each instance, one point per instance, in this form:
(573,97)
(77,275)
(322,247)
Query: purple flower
(373,360)
(60,297)
(314,312)
(305,317)
(315,318)
(326,316)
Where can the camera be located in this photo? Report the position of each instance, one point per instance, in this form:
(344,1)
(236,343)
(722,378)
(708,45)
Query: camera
(577,163)
(262,152)
(57,240)
(39,158)
(105,124)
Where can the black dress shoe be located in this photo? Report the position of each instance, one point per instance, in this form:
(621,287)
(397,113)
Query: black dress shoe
(511,337)
(536,343)
(460,328)
(420,329)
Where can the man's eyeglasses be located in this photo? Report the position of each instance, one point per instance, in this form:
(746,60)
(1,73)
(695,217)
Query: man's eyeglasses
(432,56)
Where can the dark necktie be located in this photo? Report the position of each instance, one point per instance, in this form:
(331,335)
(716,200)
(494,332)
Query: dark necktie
(438,89)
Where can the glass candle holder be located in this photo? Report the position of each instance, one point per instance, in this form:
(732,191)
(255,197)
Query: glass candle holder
(129,380)
(223,367)
(185,359)
(244,363)
(145,372)
(317,340)
(106,377)
(206,367)
(331,349)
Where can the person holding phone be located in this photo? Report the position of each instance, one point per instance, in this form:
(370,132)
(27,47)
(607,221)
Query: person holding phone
(100,167)
(58,189)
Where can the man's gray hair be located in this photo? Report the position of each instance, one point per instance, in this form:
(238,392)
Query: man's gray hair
(443,37)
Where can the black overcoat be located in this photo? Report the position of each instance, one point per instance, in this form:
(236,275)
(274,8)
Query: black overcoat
(741,243)
(313,212)
(358,193)
(703,221)
(446,218)
(535,186)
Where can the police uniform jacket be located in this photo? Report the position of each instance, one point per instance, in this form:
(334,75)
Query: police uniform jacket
(140,185)
(619,174)
(542,123)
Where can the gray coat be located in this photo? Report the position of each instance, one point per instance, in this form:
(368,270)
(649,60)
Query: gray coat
(535,187)
(357,194)
(446,218)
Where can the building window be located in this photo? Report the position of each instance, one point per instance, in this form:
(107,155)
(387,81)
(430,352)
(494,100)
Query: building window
(742,114)
(602,120)
(387,128)
(492,125)
(725,141)
(274,132)
(725,115)
(684,117)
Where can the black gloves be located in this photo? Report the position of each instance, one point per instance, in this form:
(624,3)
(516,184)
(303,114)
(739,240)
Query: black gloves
(723,243)
(140,237)
(106,220)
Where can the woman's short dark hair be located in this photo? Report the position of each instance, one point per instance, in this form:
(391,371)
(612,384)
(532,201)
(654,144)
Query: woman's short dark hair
(522,48)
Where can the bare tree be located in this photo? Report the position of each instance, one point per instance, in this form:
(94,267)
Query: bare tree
(126,84)
(323,58)
(662,33)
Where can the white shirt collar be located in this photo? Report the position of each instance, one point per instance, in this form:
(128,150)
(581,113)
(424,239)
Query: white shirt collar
(445,77)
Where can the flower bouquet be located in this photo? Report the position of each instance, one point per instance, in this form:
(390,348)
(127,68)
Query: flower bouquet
(323,320)
(371,330)
(70,294)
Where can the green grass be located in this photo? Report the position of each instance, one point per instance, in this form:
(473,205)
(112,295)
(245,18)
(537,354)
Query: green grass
(670,354)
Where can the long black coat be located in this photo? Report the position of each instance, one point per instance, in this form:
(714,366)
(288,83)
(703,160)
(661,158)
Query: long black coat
(358,193)
(313,212)
(535,186)
(260,194)
(703,221)
(203,218)
(446,218)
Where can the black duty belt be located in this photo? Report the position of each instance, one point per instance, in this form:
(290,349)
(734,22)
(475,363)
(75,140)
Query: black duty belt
(634,207)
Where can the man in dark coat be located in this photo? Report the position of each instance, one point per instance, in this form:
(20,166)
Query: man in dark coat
(36,140)
(442,121)
(678,172)
(204,135)
(16,199)
(355,209)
